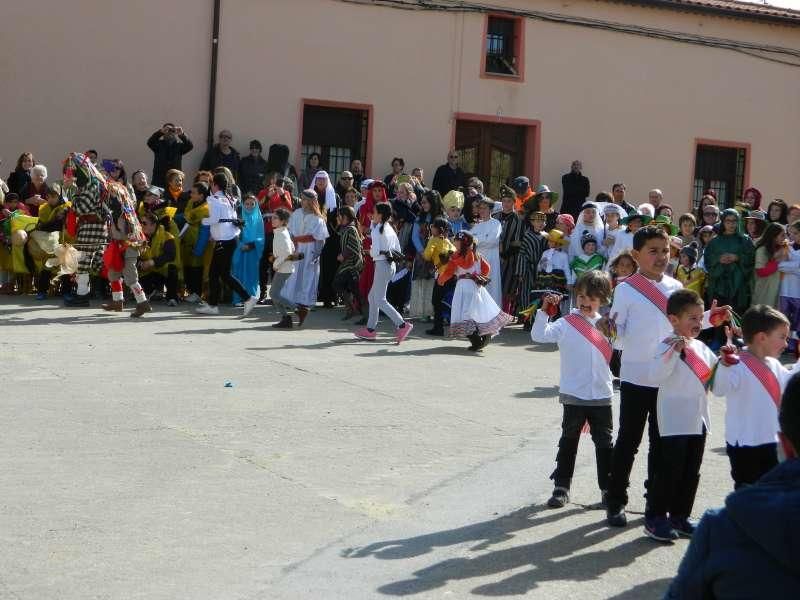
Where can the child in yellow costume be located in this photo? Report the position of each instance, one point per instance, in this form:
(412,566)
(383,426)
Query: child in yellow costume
(195,252)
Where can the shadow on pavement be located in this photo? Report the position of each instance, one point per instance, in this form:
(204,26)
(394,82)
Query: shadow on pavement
(539,392)
(650,589)
(559,558)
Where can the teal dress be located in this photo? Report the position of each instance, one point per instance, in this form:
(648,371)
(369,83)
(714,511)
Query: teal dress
(245,263)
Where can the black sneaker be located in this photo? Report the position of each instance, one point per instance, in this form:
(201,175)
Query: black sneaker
(660,529)
(683,527)
(617,518)
(559,498)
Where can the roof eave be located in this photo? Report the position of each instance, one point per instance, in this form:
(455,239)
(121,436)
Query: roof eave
(720,11)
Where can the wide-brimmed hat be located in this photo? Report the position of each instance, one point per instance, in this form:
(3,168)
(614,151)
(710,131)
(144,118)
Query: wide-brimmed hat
(557,237)
(665,223)
(507,192)
(613,208)
(453,199)
(644,218)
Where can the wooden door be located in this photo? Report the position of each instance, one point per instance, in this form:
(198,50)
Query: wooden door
(490,151)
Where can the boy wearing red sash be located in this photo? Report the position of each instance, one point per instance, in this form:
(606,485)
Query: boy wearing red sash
(585,385)
(681,367)
(752,384)
(639,317)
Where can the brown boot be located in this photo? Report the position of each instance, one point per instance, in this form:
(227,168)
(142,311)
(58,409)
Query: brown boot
(302,313)
(113,306)
(141,308)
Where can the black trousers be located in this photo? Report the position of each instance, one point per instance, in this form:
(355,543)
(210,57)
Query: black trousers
(154,280)
(601,426)
(437,299)
(264,265)
(675,482)
(749,463)
(637,407)
(220,272)
(193,278)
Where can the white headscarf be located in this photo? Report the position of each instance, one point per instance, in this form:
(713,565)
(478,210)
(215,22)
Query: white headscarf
(330,193)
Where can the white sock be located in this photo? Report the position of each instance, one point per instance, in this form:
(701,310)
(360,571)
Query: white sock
(83,284)
(138,293)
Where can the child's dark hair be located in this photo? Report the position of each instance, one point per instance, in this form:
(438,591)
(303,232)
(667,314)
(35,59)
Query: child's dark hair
(620,257)
(645,234)
(221,182)
(384,209)
(441,224)
(761,319)
(283,215)
(594,284)
(795,225)
(768,238)
(201,189)
(680,300)
(604,197)
(687,217)
(347,212)
(789,416)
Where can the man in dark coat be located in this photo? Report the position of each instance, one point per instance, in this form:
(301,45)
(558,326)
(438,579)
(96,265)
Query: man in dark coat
(749,549)
(168,144)
(575,186)
(222,154)
(252,169)
(449,176)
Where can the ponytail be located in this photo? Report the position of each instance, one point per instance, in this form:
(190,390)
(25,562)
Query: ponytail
(385,211)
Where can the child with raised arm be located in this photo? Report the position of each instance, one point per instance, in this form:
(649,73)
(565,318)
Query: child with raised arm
(752,383)
(682,367)
(585,384)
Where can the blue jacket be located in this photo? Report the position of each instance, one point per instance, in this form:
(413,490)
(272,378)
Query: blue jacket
(750,548)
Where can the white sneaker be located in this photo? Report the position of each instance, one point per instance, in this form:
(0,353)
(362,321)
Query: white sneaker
(192,298)
(206,309)
(249,304)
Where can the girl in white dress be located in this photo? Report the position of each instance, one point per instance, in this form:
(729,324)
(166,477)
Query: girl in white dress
(473,313)
(487,233)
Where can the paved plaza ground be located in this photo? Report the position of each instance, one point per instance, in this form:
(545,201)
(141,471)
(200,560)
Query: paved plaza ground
(329,469)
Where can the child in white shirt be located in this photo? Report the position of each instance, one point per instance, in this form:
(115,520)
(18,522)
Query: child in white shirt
(681,367)
(585,385)
(752,384)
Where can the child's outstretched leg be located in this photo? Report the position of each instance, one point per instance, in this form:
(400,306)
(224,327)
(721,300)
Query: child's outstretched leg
(601,428)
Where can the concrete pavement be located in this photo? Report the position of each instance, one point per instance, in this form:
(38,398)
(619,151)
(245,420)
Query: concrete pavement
(332,468)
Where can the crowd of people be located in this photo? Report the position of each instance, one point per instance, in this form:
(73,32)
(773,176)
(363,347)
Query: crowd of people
(709,299)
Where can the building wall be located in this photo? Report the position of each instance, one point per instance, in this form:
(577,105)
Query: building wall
(629,107)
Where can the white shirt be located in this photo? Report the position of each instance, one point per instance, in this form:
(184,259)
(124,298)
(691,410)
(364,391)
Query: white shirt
(751,417)
(682,406)
(383,242)
(640,329)
(584,371)
(221,207)
(790,282)
(554,259)
(282,247)
(623,240)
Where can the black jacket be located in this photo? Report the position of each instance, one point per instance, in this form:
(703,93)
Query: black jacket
(252,171)
(214,158)
(576,192)
(167,154)
(446,179)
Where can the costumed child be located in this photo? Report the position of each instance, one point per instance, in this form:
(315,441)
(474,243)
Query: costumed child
(283,258)
(376,193)
(622,267)
(612,217)
(309,230)
(585,382)
(687,225)
(438,251)
(122,254)
(688,273)
(453,203)
(789,296)
(638,317)
(49,233)
(752,383)
(474,314)
(513,227)
(589,222)
(705,234)
(196,251)
(675,247)
(624,239)
(384,250)
(351,262)
(486,233)
(157,261)
(246,262)
(554,273)
(534,243)
(154,202)
(589,258)
(682,368)
(771,249)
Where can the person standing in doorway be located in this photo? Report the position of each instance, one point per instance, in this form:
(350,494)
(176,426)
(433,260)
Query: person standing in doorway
(449,176)
(576,188)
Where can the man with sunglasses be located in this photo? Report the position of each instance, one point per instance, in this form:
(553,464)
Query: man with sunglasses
(449,176)
(222,154)
(345,183)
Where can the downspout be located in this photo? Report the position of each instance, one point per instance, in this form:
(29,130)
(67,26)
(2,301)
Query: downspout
(212,93)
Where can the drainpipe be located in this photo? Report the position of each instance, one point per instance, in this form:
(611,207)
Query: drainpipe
(212,93)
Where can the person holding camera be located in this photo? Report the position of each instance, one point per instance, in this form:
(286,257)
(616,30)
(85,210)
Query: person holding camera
(225,226)
(168,144)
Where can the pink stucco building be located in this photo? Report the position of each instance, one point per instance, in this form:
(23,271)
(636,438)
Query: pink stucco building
(676,94)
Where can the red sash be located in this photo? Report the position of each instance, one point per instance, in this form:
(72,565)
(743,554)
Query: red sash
(697,365)
(649,290)
(592,334)
(763,373)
